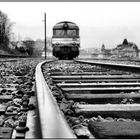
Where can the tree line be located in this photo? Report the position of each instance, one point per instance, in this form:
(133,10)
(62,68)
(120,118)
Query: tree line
(23,47)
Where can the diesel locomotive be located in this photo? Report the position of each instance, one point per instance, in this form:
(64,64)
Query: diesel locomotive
(65,40)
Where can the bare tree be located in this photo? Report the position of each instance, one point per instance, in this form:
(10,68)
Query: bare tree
(5,31)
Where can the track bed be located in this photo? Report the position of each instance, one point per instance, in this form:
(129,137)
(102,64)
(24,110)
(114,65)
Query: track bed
(96,101)
(17,98)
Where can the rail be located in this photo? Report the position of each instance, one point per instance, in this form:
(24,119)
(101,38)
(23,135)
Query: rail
(133,68)
(52,121)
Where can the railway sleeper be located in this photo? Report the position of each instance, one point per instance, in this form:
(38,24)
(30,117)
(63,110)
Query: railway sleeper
(65,77)
(66,85)
(116,129)
(6,132)
(131,111)
(104,98)
(93,80)
(112,90)
(84,73)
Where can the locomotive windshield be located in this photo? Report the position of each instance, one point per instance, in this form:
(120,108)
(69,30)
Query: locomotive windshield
(71,32)
(65,33)
(58,32)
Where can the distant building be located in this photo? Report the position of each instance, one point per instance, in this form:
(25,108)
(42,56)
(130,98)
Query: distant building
(105,52)
(124,50)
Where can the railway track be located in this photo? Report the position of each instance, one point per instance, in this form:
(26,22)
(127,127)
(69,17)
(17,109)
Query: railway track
(17,98)
(88,100)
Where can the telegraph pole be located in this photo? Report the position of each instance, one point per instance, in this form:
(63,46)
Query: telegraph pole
(45,35)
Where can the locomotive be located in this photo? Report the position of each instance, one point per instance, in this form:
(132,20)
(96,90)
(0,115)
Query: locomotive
(65,40)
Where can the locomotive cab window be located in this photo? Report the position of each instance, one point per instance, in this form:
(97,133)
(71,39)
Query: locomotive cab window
(58,32)
(71,32)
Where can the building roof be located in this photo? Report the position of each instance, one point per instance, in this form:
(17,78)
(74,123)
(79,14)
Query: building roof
(126,44)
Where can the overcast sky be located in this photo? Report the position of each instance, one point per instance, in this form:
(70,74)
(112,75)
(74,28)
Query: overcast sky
(99,22)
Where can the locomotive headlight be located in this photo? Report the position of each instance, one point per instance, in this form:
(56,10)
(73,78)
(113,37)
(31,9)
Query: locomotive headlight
(74,44)
(74,48)
(57,44)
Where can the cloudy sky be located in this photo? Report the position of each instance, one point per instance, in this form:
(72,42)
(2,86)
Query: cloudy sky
(99,22)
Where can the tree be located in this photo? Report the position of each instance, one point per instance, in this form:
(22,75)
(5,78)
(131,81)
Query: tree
(5,31)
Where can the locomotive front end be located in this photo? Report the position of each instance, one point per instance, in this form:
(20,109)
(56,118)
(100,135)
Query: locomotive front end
(65,40)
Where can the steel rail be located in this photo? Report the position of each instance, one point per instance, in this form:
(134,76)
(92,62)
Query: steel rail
(52,121)
(134,68)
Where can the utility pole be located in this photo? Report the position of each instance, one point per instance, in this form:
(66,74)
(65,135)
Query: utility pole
(45,35)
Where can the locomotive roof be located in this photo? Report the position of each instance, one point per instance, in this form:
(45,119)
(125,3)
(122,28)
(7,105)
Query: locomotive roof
(67,24)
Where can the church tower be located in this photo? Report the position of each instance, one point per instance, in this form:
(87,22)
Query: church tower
(103,48)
